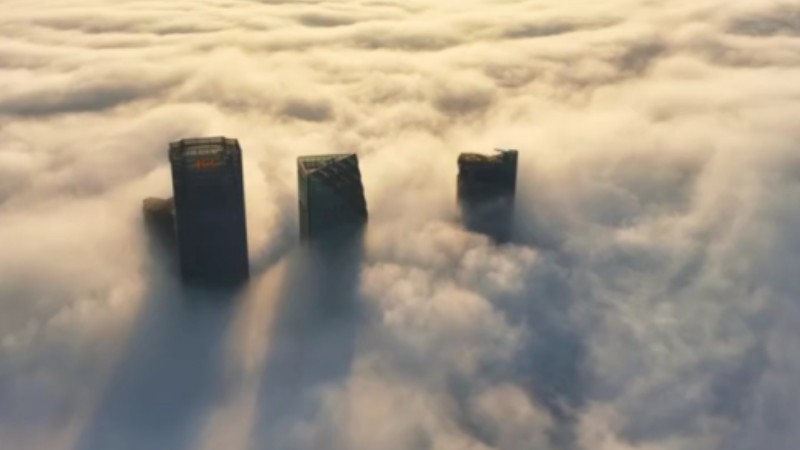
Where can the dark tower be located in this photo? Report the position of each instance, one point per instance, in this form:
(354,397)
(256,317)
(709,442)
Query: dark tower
(209,211)
(159,216)
(331,195)
(487,186)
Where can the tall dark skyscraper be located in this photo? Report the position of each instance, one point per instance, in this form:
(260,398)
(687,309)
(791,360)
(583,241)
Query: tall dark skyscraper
(210,211)
(487,187)
(331,195)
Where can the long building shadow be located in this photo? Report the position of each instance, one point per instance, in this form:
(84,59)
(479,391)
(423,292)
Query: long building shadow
(554,364)
(551,366)
(170,374)
(312,341)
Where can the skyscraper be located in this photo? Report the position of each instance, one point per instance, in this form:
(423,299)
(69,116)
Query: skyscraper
(486,189)
(331,195)
(209,210)
(159,216)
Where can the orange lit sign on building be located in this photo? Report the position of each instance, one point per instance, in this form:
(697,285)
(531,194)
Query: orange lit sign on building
(207,163)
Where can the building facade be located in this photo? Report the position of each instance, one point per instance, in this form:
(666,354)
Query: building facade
(487,187)
(209,207)
(331,194)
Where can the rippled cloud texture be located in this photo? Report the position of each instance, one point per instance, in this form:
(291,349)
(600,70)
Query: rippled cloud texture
(649,302)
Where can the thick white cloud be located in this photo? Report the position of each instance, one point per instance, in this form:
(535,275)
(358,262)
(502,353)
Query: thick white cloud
(649,301)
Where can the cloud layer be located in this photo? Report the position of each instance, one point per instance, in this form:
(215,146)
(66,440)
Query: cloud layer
(649,301)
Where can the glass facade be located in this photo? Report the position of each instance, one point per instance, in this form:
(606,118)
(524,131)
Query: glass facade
(330,194)
(209,210)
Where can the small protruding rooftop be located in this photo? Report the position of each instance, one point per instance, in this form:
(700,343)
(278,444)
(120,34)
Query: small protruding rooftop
(154,205)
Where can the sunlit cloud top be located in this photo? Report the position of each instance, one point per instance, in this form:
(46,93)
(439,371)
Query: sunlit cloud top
(648,301)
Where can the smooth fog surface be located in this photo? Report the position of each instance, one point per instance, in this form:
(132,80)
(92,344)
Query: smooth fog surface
(650,301)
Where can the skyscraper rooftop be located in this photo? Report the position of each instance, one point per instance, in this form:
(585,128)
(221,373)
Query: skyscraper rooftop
(330,194)
(486,191)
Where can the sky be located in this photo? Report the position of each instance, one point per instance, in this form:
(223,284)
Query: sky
(649,299)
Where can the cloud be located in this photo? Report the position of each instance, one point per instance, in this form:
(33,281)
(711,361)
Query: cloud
(647,302)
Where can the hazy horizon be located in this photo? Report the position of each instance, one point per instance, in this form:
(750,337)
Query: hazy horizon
(649,300)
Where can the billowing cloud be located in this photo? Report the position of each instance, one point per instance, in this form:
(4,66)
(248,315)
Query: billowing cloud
(647,302)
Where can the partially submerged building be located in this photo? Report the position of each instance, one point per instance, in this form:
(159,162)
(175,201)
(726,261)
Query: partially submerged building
(209,210)
(159,216)
(487,187)
(331,195)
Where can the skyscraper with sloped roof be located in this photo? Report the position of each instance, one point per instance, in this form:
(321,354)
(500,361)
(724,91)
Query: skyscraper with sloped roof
(331,194)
